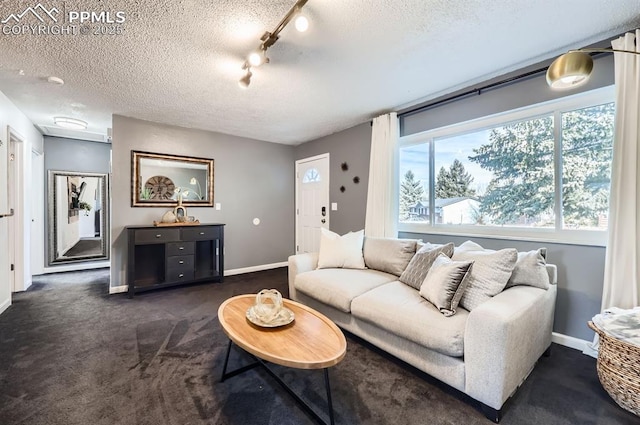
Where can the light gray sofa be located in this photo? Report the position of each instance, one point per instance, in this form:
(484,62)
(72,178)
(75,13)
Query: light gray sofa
(486,353)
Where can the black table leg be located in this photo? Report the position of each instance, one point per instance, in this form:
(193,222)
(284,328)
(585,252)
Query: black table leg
(328,388)
(238,371)
(226,361)
(301,402)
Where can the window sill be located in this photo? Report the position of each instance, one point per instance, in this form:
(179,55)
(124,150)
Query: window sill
(566,237)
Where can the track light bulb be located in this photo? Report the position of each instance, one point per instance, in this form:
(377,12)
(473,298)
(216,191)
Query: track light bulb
(246,80)
(257,58)
(302,23)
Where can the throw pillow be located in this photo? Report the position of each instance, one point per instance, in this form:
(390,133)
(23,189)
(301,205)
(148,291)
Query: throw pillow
(388,254)
(341,251)
(421,262)
(490,274)
(445,283)
(470,246)
(530,270)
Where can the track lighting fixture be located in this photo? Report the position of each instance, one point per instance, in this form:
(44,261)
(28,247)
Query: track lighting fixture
(574,67)
(268,39)
(246,80)
(257,58)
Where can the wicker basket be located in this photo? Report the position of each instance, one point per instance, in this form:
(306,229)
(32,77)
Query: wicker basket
(619,370)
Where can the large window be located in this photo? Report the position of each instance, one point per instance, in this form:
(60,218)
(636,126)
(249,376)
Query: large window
(538,172)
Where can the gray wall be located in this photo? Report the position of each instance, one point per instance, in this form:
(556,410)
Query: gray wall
(252,179)
(352,146)
(80,156)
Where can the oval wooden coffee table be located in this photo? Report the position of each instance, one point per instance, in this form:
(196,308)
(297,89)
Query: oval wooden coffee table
(311,341)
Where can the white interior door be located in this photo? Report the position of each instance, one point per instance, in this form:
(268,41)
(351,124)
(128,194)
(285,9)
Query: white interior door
(17,256)
(312,201)
(12,219)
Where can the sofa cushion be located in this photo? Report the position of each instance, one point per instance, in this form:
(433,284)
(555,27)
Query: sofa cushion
(340,251)
(489,275)
(337,287)
(388,254)
(445,283)
(530,270)
(421,262)
(399,309)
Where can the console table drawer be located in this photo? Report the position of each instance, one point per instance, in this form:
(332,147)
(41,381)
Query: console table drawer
(179,275)
(148,236)
(180,262)
(201,233)
(180,248)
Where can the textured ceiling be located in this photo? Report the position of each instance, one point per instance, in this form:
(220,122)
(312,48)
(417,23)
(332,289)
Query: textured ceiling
(178,61)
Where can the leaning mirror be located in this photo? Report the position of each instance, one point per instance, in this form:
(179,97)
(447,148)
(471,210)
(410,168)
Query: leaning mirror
(78,217)
(160,180)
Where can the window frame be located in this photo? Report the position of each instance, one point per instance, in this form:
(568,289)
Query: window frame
(554,108)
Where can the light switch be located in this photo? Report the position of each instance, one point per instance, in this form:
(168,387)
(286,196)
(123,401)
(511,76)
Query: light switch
(334,206)
(218,206)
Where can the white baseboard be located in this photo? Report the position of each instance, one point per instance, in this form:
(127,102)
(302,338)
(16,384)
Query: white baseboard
(569,341)
(118,289)
(232,272)
(76,267)
(255,268)
(5,305)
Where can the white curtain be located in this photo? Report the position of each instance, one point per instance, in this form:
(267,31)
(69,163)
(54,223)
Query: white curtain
(621,269)
(383,177)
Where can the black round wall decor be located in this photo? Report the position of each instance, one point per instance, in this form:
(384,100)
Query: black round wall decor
(356,179)
(344,166)
(342,189)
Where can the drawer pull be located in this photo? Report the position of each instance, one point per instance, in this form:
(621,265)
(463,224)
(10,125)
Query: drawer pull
(158,236)
(181,275)
(202,233)
(180,262)
(181,248)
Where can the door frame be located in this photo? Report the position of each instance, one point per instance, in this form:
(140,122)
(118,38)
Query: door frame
(17,230)
(297,187)
(37,212)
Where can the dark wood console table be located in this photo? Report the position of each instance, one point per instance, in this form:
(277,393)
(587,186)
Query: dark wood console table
(159,257)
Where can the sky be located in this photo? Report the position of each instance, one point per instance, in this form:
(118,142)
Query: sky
(416,158)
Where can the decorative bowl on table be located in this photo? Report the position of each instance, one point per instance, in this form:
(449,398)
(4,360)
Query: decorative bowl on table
(268,310)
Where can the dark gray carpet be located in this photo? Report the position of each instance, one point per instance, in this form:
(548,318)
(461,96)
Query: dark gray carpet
(72,354)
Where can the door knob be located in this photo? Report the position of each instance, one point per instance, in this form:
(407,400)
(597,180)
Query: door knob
(323,221)
(324,211)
